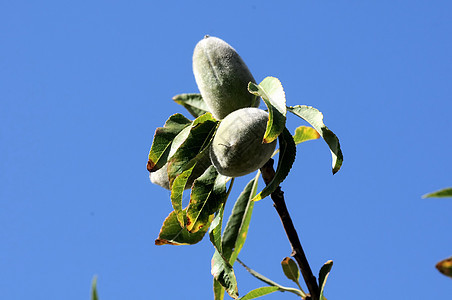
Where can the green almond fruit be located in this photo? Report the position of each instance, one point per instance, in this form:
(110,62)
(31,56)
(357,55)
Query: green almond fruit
(237,148)
(222,77)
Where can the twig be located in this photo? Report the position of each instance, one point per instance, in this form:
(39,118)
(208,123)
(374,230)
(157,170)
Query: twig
(268,172)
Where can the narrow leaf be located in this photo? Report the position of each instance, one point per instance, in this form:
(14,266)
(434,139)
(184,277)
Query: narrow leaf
(245,220)
(172,233)
(218,290)
(290,269)
(272,92)
(323,275)
(271,282)
(194,147)
(236,229)
(315,118)
(177,192)
(439,194)
(445,266)
(222,272)
(259,292)
(215,229)
(193,103)
(305,133)
(287,151)
(207,195)
(94,289)
(163,138)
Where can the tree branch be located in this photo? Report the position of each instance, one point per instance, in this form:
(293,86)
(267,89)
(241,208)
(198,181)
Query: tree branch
(268,173)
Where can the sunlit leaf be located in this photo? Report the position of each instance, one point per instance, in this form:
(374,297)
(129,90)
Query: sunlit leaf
(222,272)
(207,195)
(305,133)
(272,92)
(193,103)
(94,289)
(215,229)
(287,151)
(323,275)
(236,229)
(194,147)
(439,194)
(177,191)
(445,266)
(163,138)
(172,233)
(315,118)
(290,269)
(218,290)
(259,292)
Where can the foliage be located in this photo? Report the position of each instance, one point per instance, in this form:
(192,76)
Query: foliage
(209,192)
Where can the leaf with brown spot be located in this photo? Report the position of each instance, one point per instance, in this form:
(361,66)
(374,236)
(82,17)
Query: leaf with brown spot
(172,233)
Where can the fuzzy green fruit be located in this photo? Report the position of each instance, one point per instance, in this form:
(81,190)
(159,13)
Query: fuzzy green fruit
(222,77)
(237,148)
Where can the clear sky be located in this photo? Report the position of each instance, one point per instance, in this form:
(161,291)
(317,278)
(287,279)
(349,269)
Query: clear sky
(84,84)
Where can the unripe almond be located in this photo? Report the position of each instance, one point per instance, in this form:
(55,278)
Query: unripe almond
(237,148)
(222,77)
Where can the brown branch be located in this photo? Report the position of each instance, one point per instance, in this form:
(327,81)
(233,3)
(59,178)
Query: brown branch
(268,173)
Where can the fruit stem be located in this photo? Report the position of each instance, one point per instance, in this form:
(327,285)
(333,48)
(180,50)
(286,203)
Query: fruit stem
(268,173)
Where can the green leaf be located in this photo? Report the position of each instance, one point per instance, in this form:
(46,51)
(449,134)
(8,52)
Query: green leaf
(272,92)
(222,272)
(177,192)
(218,290)
(215,229)
(172,233)
(193,103)
(323,275)
(305,133)
(94,289)
(271,282)
(259,292)
(163,138)
(287,151)
(445,266)
(194,146)
(439,194)
(207,195)
(236,229)
(315,118)
(290,269)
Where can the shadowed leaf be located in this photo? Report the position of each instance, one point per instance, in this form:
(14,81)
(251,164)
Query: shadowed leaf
(259,292)
(290,269)
(193,103)
(163,138)
(272,92)
(194,146)
(315,118)
(439,194)
(305,133)
(236,229)
(222,272)
(207,195)
(323,275)
(287,151)
(445,266)
(172,233)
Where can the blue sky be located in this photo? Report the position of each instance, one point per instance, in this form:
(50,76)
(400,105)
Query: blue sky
(84,84)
